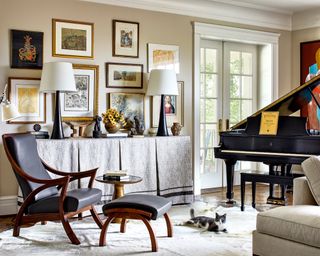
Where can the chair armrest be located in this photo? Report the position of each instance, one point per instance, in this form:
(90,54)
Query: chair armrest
(301,192)
(74,175)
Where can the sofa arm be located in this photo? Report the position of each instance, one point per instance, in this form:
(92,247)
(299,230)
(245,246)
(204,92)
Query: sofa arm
(301,192)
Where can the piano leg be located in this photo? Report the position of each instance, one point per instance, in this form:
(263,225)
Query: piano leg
(230,163)
(283,199)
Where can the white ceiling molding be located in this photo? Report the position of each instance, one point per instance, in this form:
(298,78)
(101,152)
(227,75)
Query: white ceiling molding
(210,10)
(306,19)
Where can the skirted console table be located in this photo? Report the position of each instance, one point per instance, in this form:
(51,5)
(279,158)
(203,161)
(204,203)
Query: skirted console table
(164,163)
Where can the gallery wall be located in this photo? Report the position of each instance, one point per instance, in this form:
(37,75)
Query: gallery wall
(155,27)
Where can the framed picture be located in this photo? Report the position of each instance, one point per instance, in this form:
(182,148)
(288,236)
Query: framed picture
(130,104)
(162,56)
(309,59)
(125,41)
(83,104)
(123,75)
(173,107)
(31,104)
(26,49)
(72,39)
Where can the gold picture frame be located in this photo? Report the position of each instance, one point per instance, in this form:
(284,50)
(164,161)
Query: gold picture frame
(72,39)
(83,104)
(25,95)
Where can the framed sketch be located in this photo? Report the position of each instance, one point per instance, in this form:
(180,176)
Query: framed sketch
(83,104)
(130,104)
(125,41)
(309,59)
(173,107)
(26,49)
(72,39)
(25,95)
(162,56)
(123,75)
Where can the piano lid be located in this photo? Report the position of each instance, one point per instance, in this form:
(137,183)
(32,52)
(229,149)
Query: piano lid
(291,102)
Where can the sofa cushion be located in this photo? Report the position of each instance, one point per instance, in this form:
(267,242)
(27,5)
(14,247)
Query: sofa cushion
(299,223)
(311,168)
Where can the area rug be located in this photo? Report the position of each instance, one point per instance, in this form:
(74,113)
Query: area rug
(50,239)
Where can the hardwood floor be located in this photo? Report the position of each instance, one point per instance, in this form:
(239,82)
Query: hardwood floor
(216,197)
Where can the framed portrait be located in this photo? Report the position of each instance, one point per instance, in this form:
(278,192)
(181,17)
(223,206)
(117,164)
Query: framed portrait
(25,95)
(309,59)
(130,104)
(162,56)
(123,75)
(26,49)
(173,107)
(125,41)
(72,39)
(81,105)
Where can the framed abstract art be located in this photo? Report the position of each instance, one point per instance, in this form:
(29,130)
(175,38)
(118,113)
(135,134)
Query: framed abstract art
(25,95)
(72,39)
(26,49)
(81,105)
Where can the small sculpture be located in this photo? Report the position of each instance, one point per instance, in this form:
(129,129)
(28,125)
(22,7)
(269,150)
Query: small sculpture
(139,126)
(176,128)
(97,127)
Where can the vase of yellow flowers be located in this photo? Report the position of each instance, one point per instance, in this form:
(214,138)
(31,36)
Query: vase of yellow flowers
(112,120)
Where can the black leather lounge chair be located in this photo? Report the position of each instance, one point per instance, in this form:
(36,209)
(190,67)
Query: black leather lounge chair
(47,199)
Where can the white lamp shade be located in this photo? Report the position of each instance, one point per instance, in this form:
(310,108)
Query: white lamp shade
(162,82)
(57,76)
(8,112)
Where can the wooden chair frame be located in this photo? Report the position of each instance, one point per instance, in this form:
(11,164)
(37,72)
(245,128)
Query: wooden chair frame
(61,183)
(129,213)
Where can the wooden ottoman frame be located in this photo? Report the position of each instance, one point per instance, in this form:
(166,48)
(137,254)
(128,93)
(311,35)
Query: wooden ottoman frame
(131,213)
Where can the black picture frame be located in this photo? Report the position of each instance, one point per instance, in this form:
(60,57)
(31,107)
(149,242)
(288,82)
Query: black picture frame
(26,49)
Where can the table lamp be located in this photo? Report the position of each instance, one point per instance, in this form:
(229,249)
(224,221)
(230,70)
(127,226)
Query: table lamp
(162,82)
(8,110)
(57,77)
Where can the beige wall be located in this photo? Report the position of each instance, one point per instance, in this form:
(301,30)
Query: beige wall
(155,27)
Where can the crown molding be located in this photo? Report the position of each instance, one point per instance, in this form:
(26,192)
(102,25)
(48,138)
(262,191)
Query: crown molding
(210,10)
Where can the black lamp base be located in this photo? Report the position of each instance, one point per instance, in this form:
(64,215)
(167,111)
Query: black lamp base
(162,127)
(57,130)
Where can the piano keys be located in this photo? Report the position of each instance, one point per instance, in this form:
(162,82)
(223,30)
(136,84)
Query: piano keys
(292,144)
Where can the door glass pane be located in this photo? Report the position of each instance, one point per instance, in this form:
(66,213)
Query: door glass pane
(209,160)
(235,62)
(202,110)
(234,111)
(211,60)
(246,63)
(246,108)
(202,60)
(202,85)
(246,87)
(234,86)
(202,161)
(211,110)
(202,135)
(210,135)
(211,86)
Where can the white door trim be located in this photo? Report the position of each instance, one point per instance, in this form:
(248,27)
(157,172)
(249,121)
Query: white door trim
(224,33)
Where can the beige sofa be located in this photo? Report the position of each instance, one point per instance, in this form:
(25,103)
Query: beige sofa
(290,230)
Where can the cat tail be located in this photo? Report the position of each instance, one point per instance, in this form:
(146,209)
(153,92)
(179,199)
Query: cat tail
(192,213)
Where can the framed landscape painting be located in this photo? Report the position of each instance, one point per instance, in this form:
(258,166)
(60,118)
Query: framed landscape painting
(25,95)
(123,75)
(26,49)
(73,39)
(163,56)
(81,105)
(173,107)
(125,41)
(130,104)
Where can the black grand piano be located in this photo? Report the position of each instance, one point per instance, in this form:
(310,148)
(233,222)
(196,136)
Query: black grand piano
(292,145)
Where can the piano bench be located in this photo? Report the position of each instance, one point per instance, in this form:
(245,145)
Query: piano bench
(255,177)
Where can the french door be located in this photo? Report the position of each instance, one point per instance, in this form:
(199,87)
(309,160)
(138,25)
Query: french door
(228,94)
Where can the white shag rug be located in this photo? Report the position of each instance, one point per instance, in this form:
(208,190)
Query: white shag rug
(51,239)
